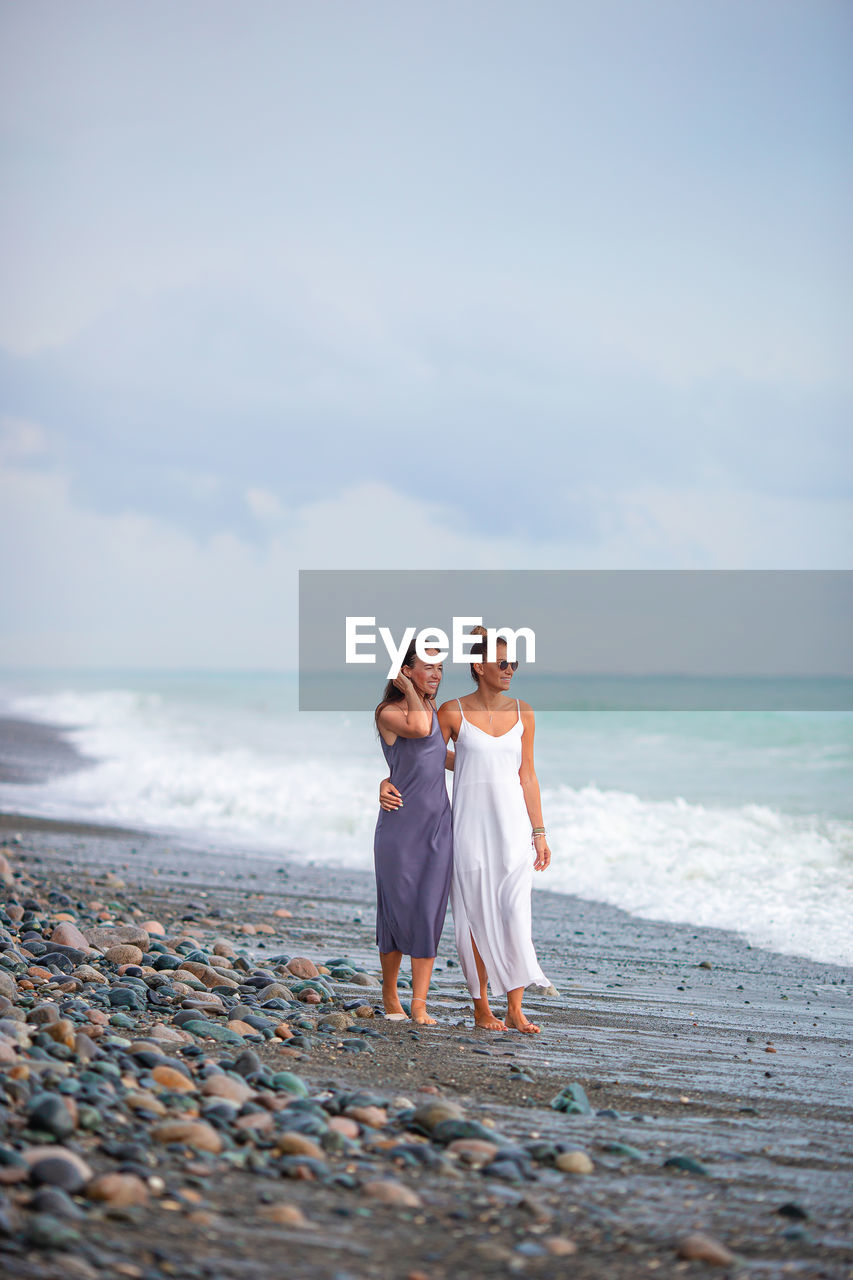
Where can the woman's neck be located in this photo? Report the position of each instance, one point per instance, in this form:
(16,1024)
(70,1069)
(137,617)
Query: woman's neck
(490,700)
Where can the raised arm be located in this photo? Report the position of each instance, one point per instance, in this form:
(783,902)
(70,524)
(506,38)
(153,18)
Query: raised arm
(530,787)
(411,718)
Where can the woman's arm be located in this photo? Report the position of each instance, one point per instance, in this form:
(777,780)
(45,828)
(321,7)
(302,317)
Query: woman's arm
(449,721)
(530,787)
(389,797)
(409,719)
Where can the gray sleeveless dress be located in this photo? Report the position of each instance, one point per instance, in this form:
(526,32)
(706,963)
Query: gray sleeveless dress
(413,848)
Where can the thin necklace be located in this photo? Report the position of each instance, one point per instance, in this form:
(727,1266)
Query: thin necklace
(488,713)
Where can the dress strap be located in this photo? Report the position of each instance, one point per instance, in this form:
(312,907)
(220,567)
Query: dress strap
(461,712)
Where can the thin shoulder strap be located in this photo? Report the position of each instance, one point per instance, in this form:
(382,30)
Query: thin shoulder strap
(461,712)
(518,707)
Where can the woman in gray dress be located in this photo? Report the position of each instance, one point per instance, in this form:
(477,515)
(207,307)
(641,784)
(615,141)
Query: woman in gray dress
(413,845)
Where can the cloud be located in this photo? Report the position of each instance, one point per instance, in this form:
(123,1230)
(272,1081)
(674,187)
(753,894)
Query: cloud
(103,589)
(300,399)
(21,440)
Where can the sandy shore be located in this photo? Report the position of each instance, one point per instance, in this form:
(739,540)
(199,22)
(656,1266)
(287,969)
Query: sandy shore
(690,1045)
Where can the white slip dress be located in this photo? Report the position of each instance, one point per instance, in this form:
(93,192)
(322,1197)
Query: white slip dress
(492,860)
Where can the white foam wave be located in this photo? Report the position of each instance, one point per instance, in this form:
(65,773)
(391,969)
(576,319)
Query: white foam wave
(784,881)
(308,789)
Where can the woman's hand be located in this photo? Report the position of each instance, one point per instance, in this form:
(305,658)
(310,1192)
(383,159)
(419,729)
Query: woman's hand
(543,853)
(389,797)
(404,684)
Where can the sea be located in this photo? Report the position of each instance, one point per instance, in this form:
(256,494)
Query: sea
(740,820)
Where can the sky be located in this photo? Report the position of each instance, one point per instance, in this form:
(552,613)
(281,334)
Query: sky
(423,285)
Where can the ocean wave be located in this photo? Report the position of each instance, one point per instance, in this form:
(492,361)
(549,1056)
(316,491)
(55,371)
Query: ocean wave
(785,881)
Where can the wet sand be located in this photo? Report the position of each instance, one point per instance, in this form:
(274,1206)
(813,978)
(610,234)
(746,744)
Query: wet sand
(690,1045)
(31,752)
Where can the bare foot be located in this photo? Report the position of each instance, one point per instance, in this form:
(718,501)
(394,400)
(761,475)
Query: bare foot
(391,1001)
(483,1017)
(423,1018)
(522,1024)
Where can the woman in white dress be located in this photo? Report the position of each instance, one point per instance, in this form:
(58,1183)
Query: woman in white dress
(496,802)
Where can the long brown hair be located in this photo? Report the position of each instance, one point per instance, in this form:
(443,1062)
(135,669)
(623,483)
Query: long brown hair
(392,693)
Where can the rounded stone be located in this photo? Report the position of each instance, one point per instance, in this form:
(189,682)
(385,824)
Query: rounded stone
(274,991)
(387,1191)
(372,1117)
(57,1167)
(191,1133)
(224,1086)
(44,1231)
(67,934)
(124,953)
(105,936)
(574,1162)
(171,1078)
(54,1200)
(207,974)
(702,1248)
(560,1246)
(473,1151)
(50,1113)
(247,1063)
(290,1083)
(43,1015)
(120,1190)
(141,1100)
(297,1144)
(435,1113)
(169,1035)
(62,1031)
(256,1121)
(284,1215)
(87,973)
(345,1126)
(335,1022)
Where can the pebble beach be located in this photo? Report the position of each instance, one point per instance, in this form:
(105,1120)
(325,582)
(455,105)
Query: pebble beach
(197,1081)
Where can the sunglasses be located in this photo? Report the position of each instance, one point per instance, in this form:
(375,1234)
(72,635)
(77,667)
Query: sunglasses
(503,664)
